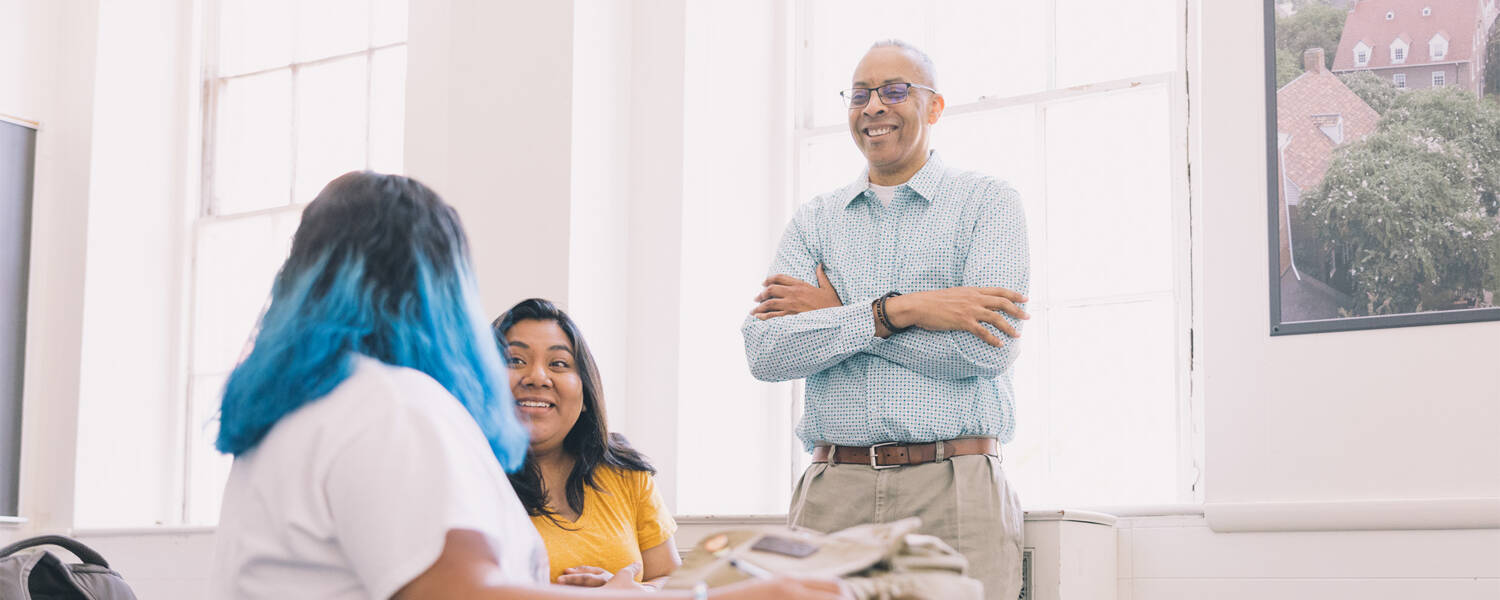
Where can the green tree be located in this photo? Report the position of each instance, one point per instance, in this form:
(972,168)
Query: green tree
(1455,115)
(1316,25)
(1407,216)
(1492,61)
(1288,67)
(1373,89)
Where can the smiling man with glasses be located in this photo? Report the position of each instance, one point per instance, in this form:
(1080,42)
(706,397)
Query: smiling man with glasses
(899,297)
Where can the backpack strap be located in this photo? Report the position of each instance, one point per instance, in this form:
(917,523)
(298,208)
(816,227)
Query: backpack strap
(84,553)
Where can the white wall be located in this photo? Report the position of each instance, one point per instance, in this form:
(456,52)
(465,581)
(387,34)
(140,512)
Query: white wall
(47,77)
(656,156)
(1181,558)
(134,308)
(599,235)
(1410,413)
(489,126)
(737,179)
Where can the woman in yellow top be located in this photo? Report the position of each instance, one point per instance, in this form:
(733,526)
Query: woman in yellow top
(589,494)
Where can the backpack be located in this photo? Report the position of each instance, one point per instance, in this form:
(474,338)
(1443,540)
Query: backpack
(41,575)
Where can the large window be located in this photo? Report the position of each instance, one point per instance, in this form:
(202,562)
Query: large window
(297,93)
(1093,142)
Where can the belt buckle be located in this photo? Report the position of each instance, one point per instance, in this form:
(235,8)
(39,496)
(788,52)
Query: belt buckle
(874,461)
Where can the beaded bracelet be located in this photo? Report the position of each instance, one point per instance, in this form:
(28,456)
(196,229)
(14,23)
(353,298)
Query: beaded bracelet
(885,319)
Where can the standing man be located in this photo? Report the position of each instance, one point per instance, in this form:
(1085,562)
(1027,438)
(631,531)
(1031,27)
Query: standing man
(898,298)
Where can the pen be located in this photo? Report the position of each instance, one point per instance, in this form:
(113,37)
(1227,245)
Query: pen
(749,568)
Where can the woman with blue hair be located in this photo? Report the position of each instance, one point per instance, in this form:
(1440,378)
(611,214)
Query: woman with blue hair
(371,423)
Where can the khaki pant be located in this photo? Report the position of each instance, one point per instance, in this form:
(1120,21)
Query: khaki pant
(964,500)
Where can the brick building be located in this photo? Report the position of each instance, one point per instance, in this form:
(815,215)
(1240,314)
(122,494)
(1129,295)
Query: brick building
(1417,44)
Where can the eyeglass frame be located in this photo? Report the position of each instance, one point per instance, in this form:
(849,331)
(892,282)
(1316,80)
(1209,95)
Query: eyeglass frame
(849,102)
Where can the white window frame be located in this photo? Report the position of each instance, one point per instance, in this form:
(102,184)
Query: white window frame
(1439,78)
(1399,80)
(1189,402)
(206,212)
(1437,47)
(1361,54)
(1403,48)
(1427,11)
(1390,16)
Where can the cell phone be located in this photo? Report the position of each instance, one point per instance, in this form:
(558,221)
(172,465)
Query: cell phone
(784,546)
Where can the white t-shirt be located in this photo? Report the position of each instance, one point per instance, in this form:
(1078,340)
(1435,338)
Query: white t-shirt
(352,495)
(884,192)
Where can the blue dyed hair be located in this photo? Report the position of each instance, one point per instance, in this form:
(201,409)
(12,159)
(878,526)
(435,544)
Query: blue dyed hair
(379,267)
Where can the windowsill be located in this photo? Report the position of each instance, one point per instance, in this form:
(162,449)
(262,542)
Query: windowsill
(12,522)
(1040,512)
(146,530)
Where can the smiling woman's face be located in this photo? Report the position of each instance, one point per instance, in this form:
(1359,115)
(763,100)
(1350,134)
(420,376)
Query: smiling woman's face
(544,380)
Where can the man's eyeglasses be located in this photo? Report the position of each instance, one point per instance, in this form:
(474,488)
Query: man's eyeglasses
(890,93)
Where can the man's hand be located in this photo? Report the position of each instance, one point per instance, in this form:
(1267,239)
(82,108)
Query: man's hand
(956,309)
(587,576)
(787,295)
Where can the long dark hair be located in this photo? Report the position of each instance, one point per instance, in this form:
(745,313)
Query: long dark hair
(589,442)
(379,267)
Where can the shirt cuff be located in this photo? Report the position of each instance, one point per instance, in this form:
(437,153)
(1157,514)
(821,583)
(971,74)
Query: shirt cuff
(856,324)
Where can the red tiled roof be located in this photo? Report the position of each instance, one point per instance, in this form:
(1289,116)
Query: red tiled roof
(1300,106)
(1367,22)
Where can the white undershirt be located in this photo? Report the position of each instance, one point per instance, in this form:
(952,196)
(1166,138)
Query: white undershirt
(884,192)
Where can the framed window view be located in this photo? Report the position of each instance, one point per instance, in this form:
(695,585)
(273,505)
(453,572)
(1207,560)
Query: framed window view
(1383,163)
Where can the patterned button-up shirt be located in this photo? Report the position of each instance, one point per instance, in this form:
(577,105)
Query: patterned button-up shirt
(944,228)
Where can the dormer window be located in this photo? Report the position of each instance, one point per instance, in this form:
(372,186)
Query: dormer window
(1398,51)
(1426,11)
(1361,54)
(1390,16)
(1437,47)
(1331,126)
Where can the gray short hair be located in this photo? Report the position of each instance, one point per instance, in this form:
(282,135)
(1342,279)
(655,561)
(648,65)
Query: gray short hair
(924,62)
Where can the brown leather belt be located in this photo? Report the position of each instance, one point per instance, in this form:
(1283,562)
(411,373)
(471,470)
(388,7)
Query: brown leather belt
(884,456)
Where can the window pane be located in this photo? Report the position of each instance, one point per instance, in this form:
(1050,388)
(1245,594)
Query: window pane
(1001,143)
(1101,41)
(389,22)
(842,30)
(207,468)
(1027,456)
(974,60)
(388,110)
(1109,221)
(1118,401)
(1004,143)
(253,154)
(254,35)
(828,163)
(331,105)
(237,260)
(331,27)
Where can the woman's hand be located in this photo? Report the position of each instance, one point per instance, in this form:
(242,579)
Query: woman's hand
(588,576)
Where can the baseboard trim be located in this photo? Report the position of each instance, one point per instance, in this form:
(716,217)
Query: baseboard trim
(1354,515)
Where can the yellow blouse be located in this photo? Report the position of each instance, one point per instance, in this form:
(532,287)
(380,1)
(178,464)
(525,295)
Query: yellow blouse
(619,521)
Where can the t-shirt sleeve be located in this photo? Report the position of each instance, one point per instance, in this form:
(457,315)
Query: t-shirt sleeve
(397,488)
(653,522)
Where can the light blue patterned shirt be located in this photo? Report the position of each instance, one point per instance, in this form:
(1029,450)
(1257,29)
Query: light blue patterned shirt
(944,228)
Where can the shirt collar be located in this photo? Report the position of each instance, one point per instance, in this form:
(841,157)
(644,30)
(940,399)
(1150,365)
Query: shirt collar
(924,182)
